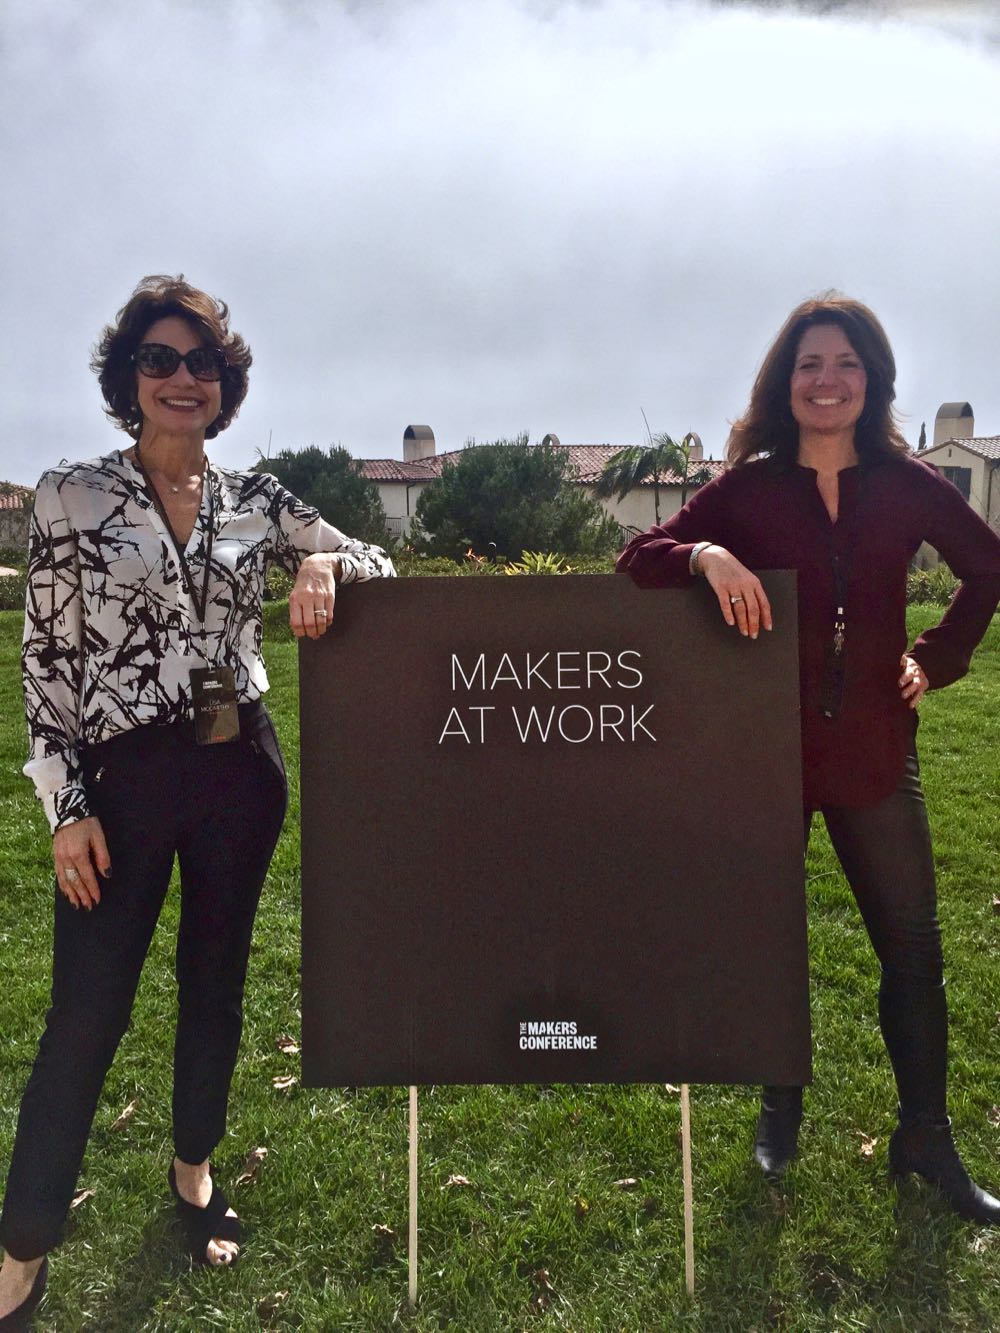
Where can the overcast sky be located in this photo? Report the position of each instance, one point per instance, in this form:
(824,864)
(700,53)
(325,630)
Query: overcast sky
(493,216)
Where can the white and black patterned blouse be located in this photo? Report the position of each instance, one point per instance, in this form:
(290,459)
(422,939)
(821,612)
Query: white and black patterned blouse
(110,633)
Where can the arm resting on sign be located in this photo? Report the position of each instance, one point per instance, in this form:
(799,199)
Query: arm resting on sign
(321,557)
(662,558)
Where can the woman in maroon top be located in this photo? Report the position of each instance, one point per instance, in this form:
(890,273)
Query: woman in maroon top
(820,481)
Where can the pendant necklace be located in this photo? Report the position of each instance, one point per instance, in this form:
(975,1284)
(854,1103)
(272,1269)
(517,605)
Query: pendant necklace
(175,490)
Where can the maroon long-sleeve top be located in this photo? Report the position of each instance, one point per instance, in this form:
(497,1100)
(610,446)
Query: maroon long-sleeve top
(771,518)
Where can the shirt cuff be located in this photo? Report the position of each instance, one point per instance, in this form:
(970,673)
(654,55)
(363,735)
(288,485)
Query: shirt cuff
(65,806)
(350,568)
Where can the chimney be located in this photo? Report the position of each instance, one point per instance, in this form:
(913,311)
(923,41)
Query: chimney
(418,442)
(954,421)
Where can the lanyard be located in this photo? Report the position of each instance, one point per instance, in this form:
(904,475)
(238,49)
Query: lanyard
(200,605)
(835,668)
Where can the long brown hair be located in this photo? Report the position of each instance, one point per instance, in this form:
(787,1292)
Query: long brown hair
(157,297)
(768,428)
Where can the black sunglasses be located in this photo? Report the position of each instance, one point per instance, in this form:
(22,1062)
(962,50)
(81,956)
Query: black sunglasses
(157,360)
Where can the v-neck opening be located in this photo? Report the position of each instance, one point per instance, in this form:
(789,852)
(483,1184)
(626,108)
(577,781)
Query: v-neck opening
(142,483)
(813,473)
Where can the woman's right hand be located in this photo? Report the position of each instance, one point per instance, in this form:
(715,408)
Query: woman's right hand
(79,852)
(740,592)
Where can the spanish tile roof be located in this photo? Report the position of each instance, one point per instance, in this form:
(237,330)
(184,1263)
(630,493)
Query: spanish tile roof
(394,469)
(987,446)
(588,460)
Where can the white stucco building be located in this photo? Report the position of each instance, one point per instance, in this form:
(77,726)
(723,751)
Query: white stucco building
(969,461)
(400,481)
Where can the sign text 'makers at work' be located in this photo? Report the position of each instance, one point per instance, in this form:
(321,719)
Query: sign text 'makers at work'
(553,671)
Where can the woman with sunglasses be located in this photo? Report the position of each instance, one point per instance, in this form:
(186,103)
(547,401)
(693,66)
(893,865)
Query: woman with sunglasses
(143,684)
(820,481)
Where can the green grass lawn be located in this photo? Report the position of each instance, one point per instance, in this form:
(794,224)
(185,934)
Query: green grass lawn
(543,1235)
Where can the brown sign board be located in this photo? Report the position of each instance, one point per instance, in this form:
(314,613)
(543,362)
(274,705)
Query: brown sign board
(551,832)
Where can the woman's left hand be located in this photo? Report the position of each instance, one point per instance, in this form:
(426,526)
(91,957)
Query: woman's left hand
(310,603)
(913,682)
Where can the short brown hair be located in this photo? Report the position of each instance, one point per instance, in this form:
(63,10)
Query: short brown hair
(158,297)
(767,427)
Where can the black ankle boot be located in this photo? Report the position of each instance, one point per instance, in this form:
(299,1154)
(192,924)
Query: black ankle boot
(924,1145)
(777,1129)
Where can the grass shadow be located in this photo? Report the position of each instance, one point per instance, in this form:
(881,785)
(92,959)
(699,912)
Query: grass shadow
(158,1263)
(743,1255)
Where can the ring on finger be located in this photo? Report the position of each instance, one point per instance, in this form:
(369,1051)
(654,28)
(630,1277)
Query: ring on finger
(71,873)
(734,599)
(320,611)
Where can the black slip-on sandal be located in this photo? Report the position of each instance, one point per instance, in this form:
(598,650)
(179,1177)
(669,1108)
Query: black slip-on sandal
(204,1224)
(19,1319)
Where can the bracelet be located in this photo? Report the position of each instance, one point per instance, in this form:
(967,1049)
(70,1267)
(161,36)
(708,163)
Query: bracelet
(696,551)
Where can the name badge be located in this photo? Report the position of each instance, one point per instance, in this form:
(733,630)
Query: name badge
(216,715)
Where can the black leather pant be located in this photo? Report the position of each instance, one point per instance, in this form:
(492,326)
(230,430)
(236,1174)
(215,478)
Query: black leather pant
(219,809)
(885,852)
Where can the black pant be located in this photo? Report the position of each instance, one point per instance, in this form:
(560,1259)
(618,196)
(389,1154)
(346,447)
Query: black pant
(885,851)
(219,809)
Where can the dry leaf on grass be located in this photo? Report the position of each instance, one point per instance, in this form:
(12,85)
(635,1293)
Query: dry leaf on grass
(456,1180)
(628,1183)
(581,1207)
(126,1115)
(541,1297)
(672,1087)
(867,1148)
(996,906)
(269,1305)
(287,1045)
(385,1243)
(981,1243)
(284,1082)
(993,1116)
(82,1197)
(253,1160)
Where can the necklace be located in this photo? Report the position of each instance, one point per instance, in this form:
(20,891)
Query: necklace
(174,490)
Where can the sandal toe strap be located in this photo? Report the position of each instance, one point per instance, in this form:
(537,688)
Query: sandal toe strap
(209,1223)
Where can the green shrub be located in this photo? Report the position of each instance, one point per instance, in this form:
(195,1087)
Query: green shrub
(12,590)
(539,562)
(333,483)
(278,584)
(509,497)
(413,564)
(936,586)
(594,564)
(14,557)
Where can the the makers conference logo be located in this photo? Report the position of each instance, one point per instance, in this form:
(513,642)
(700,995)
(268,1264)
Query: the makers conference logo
(554,1036)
